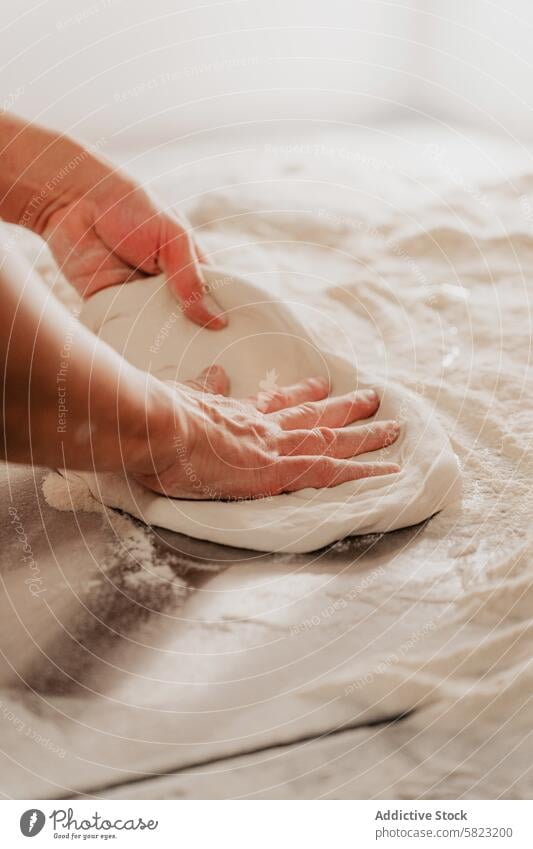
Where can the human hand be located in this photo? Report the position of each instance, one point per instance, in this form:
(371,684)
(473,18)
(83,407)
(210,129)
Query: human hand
(223,448)
(104,229)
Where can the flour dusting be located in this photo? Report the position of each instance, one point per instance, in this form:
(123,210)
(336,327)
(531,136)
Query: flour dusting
(69,494)
(133,551)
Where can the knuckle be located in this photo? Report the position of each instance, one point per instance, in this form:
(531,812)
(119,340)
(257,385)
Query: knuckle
(322,468)
(339,410)
(351,406)
(270,434)
(272,401)
(327,436)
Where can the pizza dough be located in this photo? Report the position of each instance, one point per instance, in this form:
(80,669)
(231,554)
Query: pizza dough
(269,341)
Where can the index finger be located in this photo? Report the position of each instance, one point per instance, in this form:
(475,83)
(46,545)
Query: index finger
(178,259)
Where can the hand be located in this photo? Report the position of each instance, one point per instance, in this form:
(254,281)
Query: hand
(114,232)
(228,449)
(102,228)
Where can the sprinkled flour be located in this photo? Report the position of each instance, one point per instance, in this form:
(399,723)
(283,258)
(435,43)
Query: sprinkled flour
(133,551)
(70,494)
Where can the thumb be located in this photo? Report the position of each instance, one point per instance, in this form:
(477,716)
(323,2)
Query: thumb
(178,259)
(213,380)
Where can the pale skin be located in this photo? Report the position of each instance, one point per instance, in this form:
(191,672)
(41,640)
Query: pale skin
(189,440)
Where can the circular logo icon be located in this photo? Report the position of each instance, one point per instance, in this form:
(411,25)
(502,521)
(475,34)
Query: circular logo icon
(32,822)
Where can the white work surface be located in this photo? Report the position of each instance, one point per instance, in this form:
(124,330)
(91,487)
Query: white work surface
(395,666)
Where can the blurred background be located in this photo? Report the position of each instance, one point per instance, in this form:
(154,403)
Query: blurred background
(123,74)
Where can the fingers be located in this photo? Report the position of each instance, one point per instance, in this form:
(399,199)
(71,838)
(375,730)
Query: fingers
(177,257)
(331,413)
(301,472)
(213,379)
(277,398)
(341,443)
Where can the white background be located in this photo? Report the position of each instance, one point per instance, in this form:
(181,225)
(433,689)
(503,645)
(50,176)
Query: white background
(134,72)
(74,63)
(98,67)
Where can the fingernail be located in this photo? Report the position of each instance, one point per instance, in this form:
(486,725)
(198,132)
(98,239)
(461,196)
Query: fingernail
(219,321)
(388,425)
(211,371)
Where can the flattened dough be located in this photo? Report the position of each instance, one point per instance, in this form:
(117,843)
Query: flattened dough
(269,340)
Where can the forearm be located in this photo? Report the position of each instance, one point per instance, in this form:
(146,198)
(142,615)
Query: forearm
(69,399)
(41,170)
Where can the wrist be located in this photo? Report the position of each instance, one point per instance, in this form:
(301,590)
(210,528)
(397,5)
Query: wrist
(41,171)
(66,173)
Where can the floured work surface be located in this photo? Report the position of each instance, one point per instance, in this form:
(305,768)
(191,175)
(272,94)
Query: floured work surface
(131,677)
